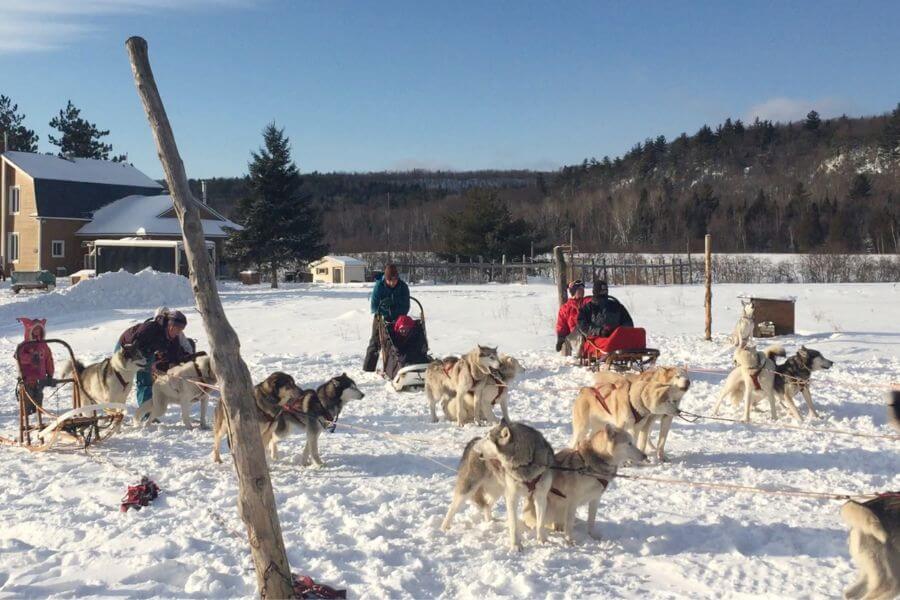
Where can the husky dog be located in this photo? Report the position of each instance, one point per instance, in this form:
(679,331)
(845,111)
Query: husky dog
(754,373)
(336,392)
(581,476)
(630,405)
(679,383)
(875,546)
(496,391)
(512,460)
(109,380)
(470,374)
(281,406)
(438,386)
(743,329)
(793,375)
(176,386)
(894,409)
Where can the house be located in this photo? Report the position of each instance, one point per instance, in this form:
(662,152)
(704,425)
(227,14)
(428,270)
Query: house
(58,214)
(338,269)
(45,199)
(135,232)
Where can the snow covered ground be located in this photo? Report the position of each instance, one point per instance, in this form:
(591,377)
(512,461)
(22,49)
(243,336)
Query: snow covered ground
(369,520)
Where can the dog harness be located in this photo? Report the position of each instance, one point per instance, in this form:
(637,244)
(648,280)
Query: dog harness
(602,400)
(107,367)
(140,495)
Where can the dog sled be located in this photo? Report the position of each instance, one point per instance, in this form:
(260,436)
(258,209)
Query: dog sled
(624,350)
(75,427)
(405,358)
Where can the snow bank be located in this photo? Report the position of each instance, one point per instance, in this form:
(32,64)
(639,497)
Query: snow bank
(110,290)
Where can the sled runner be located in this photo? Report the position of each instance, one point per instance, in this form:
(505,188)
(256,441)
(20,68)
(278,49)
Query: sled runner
(404,360)
(77,426)
(624,350)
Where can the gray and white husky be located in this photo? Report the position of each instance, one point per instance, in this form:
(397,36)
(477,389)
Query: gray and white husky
(109,380)
(176,386)
(336,392)
(582,474)
(450,381)
(754,375)
(512,460)
(875,546)
(793,376)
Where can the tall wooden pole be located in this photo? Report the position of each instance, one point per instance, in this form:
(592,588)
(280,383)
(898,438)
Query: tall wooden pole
(708,302)
(256,502)
(562,283)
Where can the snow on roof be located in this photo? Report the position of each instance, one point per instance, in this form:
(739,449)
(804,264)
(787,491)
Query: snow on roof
(140,215)
(85,170)
(347,261)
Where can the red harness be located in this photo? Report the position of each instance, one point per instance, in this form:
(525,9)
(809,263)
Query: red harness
(602,400)
(140,495)
(754,377)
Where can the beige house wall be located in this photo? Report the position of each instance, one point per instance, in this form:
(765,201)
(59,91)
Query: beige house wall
(23,223)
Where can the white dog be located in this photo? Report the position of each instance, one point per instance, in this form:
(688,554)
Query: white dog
(743,329)
(176,386)
(753,375)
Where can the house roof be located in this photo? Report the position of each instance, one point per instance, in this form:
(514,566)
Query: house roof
(149,215)
(83,170)
(347,261)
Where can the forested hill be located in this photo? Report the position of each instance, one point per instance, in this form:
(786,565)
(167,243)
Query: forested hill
(817,184)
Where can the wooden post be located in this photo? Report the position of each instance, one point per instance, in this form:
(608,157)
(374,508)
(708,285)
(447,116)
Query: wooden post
(605,276)
(708,301)
(561,282)
(256,502)
(524,271)
(503,269)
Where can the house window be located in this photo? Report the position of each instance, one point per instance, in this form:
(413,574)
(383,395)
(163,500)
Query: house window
(12,246)
(14,200)
(58,248)
(322,271)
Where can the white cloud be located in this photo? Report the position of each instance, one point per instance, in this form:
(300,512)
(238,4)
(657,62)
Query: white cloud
(782,109)
(42,25)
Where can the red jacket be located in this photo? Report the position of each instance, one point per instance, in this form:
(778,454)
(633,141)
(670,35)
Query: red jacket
(567,319)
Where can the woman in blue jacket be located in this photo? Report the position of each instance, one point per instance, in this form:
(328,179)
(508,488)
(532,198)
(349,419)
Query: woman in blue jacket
(390,299)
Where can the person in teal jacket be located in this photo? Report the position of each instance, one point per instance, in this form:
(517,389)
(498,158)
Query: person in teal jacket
(389,299)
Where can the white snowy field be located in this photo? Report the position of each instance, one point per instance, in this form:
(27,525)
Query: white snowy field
(369,520)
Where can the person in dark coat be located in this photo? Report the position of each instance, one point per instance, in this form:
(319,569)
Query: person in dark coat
(409,339)
(160,341)
(603,314)
(389,300)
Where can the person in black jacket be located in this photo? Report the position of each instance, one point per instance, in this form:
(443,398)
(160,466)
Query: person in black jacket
(160,341)
(603,314)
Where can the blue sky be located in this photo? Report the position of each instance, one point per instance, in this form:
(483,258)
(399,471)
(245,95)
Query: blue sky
(395,85)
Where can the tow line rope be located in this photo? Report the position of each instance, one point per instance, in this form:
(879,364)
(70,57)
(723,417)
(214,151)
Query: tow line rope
(694,417)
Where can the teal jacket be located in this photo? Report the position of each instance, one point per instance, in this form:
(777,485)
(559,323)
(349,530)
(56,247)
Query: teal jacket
(389,302)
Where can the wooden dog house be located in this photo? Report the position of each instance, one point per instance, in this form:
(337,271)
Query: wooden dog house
(778,311)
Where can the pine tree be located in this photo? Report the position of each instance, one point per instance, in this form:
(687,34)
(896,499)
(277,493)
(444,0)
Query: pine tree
(860,187)
(484,227)
(699,211)
(890,137)
(12,124)
(281,225)
(80,138)
(812,121)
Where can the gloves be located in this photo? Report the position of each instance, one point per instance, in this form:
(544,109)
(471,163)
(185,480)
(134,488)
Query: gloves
(560,340)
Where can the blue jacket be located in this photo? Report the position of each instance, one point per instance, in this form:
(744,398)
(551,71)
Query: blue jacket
(389,302)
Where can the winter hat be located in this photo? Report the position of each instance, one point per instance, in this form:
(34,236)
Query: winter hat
(35,329)
(403,325)
(177,317)
(601,288)
(575,286)
(390,271)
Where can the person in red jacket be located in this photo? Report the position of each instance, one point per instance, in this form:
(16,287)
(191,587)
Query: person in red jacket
(36,361)
(567,319)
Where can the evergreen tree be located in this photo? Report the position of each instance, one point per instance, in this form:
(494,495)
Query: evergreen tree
(699,211)
(860,187)
(281,225)
(812,121)
(890,137)
(810,233)
(12,124)
(79,137)
(484,227)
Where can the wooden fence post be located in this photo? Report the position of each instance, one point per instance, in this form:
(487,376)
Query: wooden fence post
(524,271)
(503,269)
(256,502)
(561,282)
(708,301)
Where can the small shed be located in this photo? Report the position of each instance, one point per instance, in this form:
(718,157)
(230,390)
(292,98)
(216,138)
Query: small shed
(338,269)
(778,311)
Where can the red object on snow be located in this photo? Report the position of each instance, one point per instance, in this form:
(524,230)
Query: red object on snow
(305,587)
(36,359)
(623,338)
(140,495)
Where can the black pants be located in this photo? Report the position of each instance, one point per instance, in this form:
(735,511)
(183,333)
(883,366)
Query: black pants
(371,359)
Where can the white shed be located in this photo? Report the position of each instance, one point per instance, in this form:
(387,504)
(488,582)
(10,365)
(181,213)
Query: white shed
(337,269)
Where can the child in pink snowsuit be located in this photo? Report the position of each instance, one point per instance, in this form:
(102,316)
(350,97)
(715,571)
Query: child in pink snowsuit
(36,361)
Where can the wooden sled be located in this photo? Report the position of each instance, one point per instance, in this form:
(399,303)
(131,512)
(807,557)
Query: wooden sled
(624,350)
